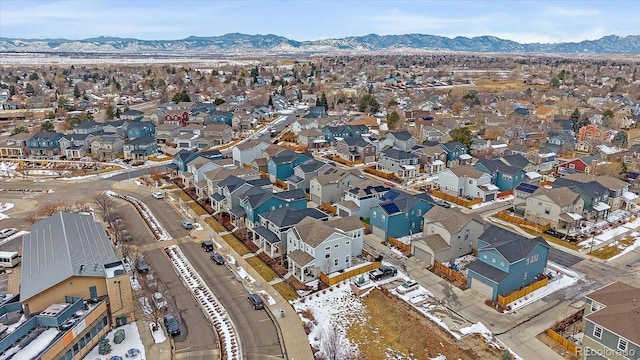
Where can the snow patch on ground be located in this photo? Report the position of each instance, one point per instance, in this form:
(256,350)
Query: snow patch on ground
(158,335)
(627,249)
(132,340)
(4,207)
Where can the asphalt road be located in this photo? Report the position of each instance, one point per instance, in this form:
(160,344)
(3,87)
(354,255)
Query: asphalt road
(255,328)
(563,258)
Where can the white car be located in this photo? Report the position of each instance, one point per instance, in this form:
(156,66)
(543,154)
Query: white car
(407,286)
(158,195)
(4,233)
(158,301)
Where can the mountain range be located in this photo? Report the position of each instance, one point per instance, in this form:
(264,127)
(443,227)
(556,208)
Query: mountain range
(236,44)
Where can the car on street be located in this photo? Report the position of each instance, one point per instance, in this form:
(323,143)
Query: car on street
(159,301)
(256,301)
(5,233)
(207,245)
(187,225)
(217,258)
(172,325)
(158,195)
(443,203)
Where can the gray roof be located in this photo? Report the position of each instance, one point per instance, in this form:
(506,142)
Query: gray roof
(401,135)
(284,217)
(300,257)
(62,246)
(266,234)
(399,154)
(513,247)
(492,273)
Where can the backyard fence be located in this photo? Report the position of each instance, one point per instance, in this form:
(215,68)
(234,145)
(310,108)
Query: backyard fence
(566,343)
(331,209)
(509,298)
(354,271)
(450,273)
(455,199)
(406,248)
(522,222)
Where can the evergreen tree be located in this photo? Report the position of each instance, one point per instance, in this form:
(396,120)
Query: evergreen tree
(463,135)
(270,101)
(76,92)
(368,102)
(392,120)
(47,126)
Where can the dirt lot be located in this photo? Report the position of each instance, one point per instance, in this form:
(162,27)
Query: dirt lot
(394,324)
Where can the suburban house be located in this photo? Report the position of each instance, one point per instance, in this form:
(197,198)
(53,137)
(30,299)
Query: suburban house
(456,153)
(67,262)
(432,158)
(140,148)
(215,176)
(403,140)
(175,117)
(244,153)
(447,234)
(356,149)
(242,121)
(44,144)
(138,129)
(281,166)
(304,172)
(15,145)
(215,135)
(560,207)
(258,200)
(506,262)
(330,183)
(88,127)
(132,115)
(467,181)
(595,196)
(228,193)
(223,117)
(360,197)
(75,146)
(333,133)
(503,175)
(180,160)
(403,164)
(166,133)
(301,124)
(315,246)
(311,138)
(594,132)
(117,127)
(610,322)
(271,235)
(619,195)
(399,214)
(106,147)
(585,164)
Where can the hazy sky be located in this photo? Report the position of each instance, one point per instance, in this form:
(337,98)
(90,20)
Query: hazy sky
(522,21)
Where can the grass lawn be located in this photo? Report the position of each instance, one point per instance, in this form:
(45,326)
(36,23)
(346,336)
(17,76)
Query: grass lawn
(215,225)
(555,240)
(262,268)
(199,210)
(286,291)
(236,244)
(612,249)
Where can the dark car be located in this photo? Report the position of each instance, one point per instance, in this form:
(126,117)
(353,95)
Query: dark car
(256,301)
(172,325)
(142,265)
(382,272)
(219,259)
(207,245)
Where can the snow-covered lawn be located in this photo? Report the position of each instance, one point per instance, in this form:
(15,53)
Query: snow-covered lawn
(158,335)
(8,169)
(556,283)
(131,341)
(4,207)
(626,249)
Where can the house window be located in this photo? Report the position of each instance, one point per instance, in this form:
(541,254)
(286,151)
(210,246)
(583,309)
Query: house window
(327,255)
(525,275)
(547,209)
(335,246)
(493,260)
(347,243)
(572,166)
(384,218)
(336,262)
(595,306)
(502,263)
(327,248)
(597,332)
(470,182)
(484,256)
(622,344)
(374,213)
(419,212)
(347,259)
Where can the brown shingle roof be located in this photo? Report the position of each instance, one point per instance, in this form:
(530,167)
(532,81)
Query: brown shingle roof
(436,242)
(348,223)
(300,257)
(313,231)
(560,196)
(451,219)
(468,171)
(621,313)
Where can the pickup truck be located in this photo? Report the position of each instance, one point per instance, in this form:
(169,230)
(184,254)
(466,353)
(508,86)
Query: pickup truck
(382,272)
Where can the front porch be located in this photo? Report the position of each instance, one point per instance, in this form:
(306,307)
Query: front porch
(268,241)
(302,266)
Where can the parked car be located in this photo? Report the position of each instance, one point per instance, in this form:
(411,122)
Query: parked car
(407,286)
(443,203)
(187,225)
(159,301)
(219,259)
(207,245)
(142,265)
(5,233)
(256,301)
(172,325)
(158,195)
(133,352)
(382,272)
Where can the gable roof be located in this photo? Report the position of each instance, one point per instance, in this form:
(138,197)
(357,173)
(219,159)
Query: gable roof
(313,231)
(513,247)
(368,187)
(592,189)
(62,246)
(395,201)
(333,174)
(492,273)
(621,313)
(398,154)
(451,219)
(284,217)
(515,160)
(401,135)
(466,170)
(562,196)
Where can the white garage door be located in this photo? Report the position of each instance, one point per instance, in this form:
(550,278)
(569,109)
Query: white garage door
(379,232)
(482,288)
(422,255)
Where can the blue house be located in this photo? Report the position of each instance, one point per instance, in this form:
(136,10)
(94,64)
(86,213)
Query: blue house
(44,144)
(180,161)
(399,214)
(138,129)
(504,176)
(316,112)
(221,117)
(343,131)
(139,149)
(258,200)
(506,262)
(595,196)
(281,166)
(455,150)
(133,115)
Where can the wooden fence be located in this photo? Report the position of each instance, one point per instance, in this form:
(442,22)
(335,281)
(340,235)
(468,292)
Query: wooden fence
(509,298)
(455,199)
(406,248)
(354,271)
(504,194)
(282,184)
(346,162)
(437,266)
(569,345)
(332,209)
(383,174)
(522,222)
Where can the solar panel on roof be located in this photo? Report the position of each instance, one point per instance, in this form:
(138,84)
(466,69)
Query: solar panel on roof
(390,208)
(528,188)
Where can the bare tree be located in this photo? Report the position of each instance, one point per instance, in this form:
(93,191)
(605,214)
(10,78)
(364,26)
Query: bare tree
(106,206)
(48,209)
(331,344)
(153,305)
